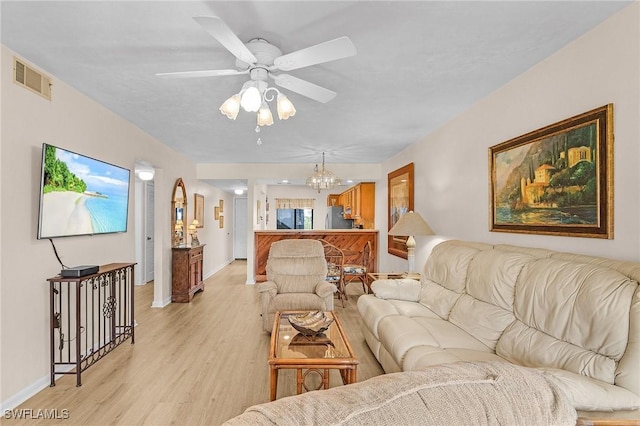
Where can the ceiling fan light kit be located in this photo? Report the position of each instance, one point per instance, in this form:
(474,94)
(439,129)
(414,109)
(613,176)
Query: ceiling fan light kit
(260,59)
(253,98)
(250,99)
(265,118)
(231,107)
(285,107)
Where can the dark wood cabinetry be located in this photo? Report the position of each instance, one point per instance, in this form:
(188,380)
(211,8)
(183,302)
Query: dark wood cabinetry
(186,272)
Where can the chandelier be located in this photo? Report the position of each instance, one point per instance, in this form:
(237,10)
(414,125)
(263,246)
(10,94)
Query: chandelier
(254,96)
(323,178)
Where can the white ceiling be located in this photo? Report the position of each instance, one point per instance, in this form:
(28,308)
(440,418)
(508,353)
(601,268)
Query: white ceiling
(419,64)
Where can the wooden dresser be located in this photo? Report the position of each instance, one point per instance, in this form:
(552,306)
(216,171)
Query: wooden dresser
(186,272)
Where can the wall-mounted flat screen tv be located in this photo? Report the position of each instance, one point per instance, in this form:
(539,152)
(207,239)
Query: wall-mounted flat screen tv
(80,195)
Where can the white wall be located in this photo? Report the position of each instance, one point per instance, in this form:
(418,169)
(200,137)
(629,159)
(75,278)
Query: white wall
(74,122)
(451,164)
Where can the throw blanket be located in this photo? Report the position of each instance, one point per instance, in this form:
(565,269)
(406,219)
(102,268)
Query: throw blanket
(462,393)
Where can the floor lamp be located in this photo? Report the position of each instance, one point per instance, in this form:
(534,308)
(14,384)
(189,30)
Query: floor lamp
(411,224)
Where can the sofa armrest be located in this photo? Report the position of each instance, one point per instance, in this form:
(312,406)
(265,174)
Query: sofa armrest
(268,286)
(400,289)
(324,289)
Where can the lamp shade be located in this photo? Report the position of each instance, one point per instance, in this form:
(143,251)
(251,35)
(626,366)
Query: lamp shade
(285,107)
(410,224)
(265,118)
(231,107)
(251,99)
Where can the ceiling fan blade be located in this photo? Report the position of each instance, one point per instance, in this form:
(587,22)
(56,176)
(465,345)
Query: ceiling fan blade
(197,74)
(304,88)
(221,32)
(338,48)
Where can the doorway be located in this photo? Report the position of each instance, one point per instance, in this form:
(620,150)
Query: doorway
(149,228)
(144,231)
(240,224)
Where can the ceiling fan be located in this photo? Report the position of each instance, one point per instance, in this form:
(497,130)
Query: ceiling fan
(262,60)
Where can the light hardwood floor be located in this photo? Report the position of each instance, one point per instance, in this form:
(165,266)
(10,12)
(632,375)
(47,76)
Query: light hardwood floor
(199,363)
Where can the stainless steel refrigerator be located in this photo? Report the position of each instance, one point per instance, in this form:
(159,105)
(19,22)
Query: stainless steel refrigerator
(335,219)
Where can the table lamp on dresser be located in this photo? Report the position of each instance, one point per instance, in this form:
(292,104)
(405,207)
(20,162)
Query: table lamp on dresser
(408,225)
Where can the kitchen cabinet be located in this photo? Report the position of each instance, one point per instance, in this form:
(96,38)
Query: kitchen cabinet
(333,200)
(359,204)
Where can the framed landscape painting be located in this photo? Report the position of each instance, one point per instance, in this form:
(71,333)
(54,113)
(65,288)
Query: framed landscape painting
(400,197)
(557,180)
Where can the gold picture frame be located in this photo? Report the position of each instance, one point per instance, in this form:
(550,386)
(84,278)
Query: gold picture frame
(216,213)
(400,201)
(557,180)
(221,222)
(199,209)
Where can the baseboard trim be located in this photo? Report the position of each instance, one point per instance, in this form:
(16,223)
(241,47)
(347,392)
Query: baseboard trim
(217,269)
(162,303)
(31,390)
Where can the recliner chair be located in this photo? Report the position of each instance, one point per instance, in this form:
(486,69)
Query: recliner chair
(296,279)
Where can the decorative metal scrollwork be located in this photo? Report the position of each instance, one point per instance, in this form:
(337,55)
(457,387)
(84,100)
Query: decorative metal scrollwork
(109,307)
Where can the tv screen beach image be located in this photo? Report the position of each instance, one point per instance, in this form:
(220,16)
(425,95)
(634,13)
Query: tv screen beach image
(81,195)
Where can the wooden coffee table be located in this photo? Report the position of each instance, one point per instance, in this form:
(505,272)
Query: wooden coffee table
(290,349)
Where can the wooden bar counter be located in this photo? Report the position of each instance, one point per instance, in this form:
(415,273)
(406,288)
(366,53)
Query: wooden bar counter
(350,241)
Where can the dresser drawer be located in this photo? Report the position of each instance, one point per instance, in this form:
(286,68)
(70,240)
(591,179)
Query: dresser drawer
(195,255)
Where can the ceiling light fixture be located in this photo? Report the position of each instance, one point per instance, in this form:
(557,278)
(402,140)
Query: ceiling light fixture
(144,170)
(254,97)
(323,178)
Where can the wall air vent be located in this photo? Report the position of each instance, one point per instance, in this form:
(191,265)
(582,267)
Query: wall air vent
(33,80)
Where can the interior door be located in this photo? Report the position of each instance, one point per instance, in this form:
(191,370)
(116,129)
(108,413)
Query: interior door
(149,228)
(240,224)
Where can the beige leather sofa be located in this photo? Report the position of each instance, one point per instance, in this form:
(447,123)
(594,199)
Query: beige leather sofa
(575,318)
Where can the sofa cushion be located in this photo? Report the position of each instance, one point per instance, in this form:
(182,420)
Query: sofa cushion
(400,289)
(438,298)
(447,265)
(412,309)
(592,395)
(420,357)
(570,316)
(372,310)
(399,334)
(296,274)
(492,276)
(482,320)
(296,302)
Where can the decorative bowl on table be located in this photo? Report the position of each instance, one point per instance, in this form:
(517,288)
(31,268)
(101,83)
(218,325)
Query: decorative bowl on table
(310,323)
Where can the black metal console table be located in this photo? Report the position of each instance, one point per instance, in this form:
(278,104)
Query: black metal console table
(90,316)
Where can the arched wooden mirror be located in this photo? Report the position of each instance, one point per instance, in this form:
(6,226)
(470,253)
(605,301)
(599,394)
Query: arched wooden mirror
(179,213)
